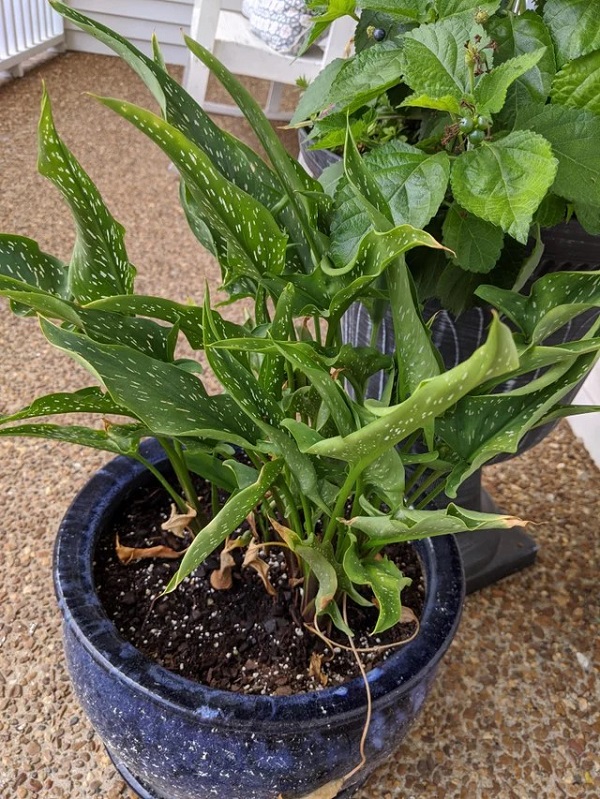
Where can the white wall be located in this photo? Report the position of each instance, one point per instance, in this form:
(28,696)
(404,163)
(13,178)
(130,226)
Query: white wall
(587,426)
(137,20)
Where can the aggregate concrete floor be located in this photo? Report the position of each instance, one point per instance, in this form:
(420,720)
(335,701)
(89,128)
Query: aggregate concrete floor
(515,713)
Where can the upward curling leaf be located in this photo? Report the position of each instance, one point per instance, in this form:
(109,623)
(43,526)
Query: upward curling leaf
(99,265)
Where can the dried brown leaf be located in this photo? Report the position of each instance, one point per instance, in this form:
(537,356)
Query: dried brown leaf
(316,669)
(221,579)
(408,616)
(289,536)
(178,523)
(251,519)
(131,554)
(261,567)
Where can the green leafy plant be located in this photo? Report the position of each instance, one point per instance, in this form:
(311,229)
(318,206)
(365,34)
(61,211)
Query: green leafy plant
(497,116)
(330,476)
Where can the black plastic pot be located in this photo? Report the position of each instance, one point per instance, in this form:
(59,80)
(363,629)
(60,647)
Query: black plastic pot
(172,738)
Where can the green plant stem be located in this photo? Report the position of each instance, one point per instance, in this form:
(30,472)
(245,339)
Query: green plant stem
(423,487)
(340,504)
(294,516)
(410,441)
(416,475)
(177,499)
(174,452)
(435,492)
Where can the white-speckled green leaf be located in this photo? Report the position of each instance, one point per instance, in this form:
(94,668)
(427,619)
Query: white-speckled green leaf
(123,441)
(227,520)
(86,400)
(21,259)
(504,181)
(412,183)
(413,525)
(431,399)
(383,577)
(553,301)
(187,317)
(255,242)
(169,400)
(479,428)
(99,265)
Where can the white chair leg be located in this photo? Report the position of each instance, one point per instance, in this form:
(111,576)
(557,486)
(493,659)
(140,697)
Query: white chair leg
(273,105)
(203,29)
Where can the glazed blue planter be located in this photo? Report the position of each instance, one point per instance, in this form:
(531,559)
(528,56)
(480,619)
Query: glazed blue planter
(172,738)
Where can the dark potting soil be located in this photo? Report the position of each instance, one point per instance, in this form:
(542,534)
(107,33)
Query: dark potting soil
(240,639)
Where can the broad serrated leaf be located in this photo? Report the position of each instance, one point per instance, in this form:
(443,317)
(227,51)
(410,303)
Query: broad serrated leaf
(315,100)
(446,103)
(504,181)
(492,87)
(169,400)
(573,134)
(228,519)
(433,58)
(554,300)
(497,356)
(466,9)
(367,75)
(476,244)
(412,183)
(589,217)
(402,10)
(575,27)
(577,85)
(515,35)
(99,265)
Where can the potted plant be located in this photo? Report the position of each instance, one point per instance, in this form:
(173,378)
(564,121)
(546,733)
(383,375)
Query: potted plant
(452,105)
(290,458)
(477,122)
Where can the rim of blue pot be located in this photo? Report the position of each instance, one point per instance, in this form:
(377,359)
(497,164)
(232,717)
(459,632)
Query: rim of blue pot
(83,614)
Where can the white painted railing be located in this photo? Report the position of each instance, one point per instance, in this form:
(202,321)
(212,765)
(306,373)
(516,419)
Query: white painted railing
(27,27)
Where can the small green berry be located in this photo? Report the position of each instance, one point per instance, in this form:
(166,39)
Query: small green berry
(466,125)
(483,123)
(476,136)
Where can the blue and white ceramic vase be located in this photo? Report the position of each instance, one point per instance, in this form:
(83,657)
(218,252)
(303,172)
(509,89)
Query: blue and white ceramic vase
(172,738)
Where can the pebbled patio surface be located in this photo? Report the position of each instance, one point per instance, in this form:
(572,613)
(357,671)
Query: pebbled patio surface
(515,712)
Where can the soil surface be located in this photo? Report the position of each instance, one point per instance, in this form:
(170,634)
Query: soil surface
(240,639)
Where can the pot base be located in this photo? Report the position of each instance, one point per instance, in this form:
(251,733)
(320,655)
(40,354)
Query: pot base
(143,792)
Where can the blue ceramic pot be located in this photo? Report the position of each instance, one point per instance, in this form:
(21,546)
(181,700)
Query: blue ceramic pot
(176,739)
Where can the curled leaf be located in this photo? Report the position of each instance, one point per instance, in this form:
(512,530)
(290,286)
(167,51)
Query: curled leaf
(408,616)
(315,669)
(130,554)
(178,523)
(221,579)
(261,567)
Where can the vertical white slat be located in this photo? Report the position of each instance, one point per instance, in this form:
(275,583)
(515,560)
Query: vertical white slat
(27,27)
